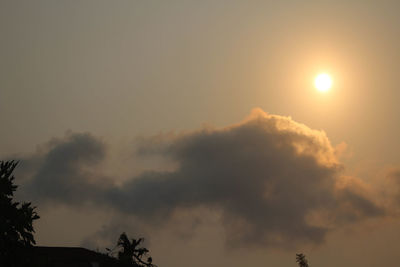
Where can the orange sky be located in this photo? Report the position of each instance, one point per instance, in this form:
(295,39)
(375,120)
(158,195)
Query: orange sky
(127,72)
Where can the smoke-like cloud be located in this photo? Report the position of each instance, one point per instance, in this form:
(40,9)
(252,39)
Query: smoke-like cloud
(60,170)
(275,182)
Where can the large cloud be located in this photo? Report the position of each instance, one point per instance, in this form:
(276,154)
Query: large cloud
(275,182)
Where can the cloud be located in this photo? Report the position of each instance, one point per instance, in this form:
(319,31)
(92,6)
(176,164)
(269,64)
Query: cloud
(388,187)
(275,182)
(60,170)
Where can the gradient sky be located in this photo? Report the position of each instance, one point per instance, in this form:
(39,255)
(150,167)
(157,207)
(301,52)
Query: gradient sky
(129,94)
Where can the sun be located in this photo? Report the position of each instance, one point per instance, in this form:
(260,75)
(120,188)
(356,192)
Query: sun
(323,82)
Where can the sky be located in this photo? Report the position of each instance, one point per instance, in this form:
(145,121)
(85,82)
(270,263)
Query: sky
(196,125)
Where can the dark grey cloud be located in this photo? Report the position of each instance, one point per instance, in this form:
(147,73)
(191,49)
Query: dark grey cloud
(275,182)
(60,171)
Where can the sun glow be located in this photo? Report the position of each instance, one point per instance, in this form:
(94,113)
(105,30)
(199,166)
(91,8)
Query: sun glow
(323,82)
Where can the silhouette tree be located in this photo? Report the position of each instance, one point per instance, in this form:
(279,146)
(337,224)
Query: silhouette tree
(301,260)
(16,229)
(131,254)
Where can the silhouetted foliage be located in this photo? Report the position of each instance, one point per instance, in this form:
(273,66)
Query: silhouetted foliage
(131,253)
(16,229)
(301,260)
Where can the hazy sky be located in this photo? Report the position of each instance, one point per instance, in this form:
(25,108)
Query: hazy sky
(135,116)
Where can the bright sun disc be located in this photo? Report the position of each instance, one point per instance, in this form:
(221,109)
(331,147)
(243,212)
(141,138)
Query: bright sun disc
(323,82)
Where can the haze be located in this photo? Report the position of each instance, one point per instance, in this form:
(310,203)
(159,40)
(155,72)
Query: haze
(196,124)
